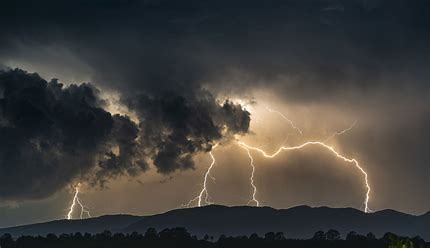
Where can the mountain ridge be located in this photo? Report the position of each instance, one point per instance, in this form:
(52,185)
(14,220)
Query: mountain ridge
(215,220)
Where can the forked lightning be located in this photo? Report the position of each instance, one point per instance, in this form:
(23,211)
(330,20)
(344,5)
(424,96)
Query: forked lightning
(204,191)
(285,118)
(77,201)
(323,145)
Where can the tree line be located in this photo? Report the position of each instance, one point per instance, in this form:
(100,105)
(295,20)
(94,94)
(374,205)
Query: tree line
(180,237)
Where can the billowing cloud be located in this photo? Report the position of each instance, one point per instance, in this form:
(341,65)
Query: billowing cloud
(330,60)
(52,135)
(175,127)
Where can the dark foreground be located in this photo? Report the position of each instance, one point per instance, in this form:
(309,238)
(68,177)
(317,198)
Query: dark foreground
(180,237)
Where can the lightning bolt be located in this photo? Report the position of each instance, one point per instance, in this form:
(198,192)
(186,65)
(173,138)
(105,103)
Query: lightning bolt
(77,201)
(325,146)
(204,190)
(285,118)
(254,188)
(341,132)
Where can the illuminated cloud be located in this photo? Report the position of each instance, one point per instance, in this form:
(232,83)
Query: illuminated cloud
(329,63)
(53,135)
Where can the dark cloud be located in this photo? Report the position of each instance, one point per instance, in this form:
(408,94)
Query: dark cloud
(175,127)
(52,135)
(126,155)
(367,58)
(306,49)
(40,121)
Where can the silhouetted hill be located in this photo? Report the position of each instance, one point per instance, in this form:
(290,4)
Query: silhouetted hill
(113,223)
(296,222)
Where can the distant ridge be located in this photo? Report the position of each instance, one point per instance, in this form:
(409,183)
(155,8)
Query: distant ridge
(113,223)
(296,222)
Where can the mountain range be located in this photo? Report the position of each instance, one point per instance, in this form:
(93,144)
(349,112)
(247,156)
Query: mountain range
(215,220)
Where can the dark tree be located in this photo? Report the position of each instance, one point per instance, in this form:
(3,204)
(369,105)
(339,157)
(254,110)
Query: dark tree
(180,237)
(320,235)
(370,236)
(222,238)
(279,236)
(269,236)
(6,240)
(254,236)
(353,236)
(332,235)
(151,233)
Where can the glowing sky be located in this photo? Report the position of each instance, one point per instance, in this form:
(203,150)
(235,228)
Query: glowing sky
(323,68)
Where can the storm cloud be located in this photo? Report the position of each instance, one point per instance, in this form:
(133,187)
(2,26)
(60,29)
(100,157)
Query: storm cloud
(170,61)
(306,49)
(50,134)
(53,135)
(177,127)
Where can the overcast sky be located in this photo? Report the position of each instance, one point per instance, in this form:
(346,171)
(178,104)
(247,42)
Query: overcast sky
(130,97)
